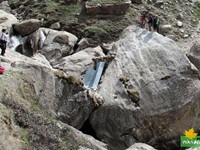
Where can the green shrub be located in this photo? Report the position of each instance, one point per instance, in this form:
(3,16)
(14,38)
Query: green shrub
(24,137)
(94,32)
(172,7)
(196,9)
(107,1)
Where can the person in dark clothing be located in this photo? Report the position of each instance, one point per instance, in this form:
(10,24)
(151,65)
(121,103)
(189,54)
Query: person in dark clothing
(150,21)
(3,41)
(143,19)
(156,23)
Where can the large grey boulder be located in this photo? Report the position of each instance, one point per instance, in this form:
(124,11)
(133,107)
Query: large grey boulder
(93,8)
(82,44)
(57,44)
(78,63)
(36,102)
(6,19)
(151,93)
(194,54)
(51,43)
(5,6)
(140,146)
(55,26)
(27,27)
(165,28)
(63,96)
(32,43)
(31,94)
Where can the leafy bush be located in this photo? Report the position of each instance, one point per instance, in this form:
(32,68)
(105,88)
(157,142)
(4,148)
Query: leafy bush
(196,9)
(107,1)
(94,32)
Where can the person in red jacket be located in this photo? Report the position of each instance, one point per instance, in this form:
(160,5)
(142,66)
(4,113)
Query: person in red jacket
(143,19)
(2,69)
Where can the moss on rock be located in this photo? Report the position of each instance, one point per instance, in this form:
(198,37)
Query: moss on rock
(69,79)
(134,95)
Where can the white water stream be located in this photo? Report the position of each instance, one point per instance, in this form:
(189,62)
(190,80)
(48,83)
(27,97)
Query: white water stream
(13,42)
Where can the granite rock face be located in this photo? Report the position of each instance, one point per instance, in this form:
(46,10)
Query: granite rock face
(140,146)
(38,103)
(151,92)
(194,54)
(77,64)
(7,19)
(106,9)
(27,27)
(53,44)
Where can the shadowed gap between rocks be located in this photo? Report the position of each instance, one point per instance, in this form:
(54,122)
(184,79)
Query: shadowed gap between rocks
(87,129)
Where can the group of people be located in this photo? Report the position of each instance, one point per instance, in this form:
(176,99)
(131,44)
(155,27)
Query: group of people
(152,20)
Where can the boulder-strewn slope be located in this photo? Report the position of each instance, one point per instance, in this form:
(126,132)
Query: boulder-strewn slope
(38,103)
(150,88)
(99,28)
(34,99)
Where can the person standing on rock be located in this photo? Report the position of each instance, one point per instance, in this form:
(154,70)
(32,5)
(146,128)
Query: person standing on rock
(150,21)
(156,23)
(143,19)
(3,41)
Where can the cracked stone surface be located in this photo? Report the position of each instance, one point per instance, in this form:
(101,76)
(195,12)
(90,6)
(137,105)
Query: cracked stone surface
(168,85)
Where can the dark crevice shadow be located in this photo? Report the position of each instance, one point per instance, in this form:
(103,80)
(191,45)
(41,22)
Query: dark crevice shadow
(87,129)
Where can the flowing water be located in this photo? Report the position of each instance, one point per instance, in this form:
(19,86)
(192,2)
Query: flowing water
(14,42)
